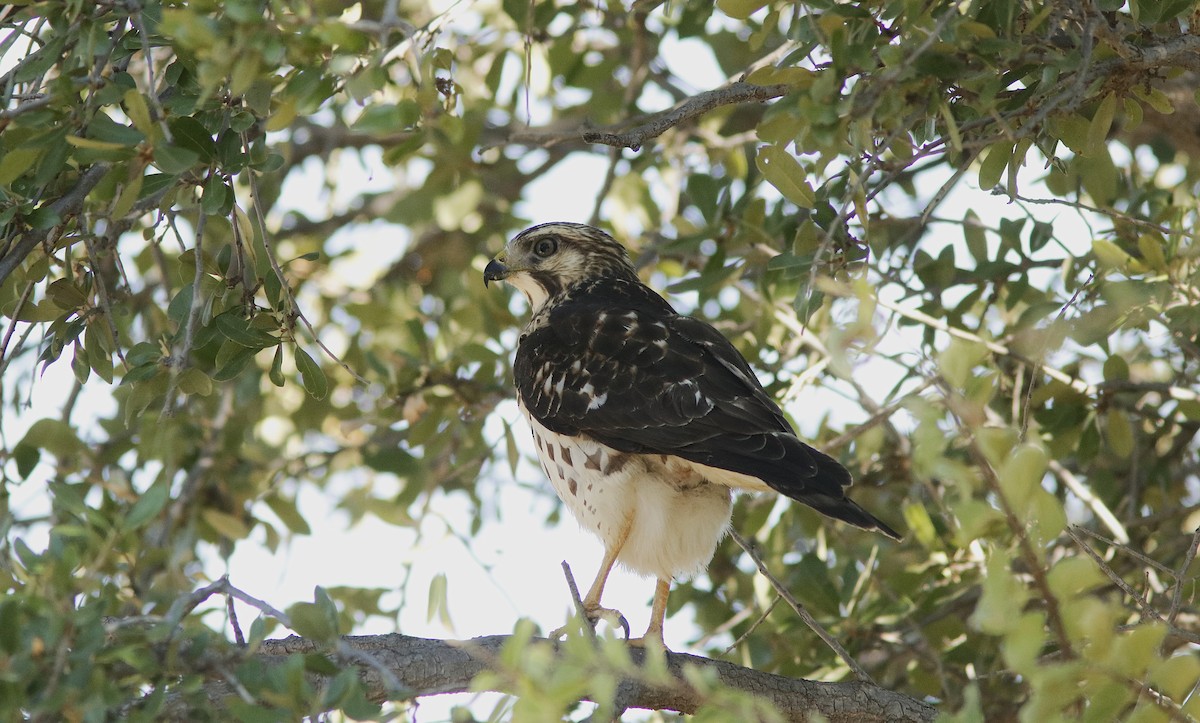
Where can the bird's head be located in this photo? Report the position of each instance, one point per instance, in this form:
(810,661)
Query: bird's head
(546,260)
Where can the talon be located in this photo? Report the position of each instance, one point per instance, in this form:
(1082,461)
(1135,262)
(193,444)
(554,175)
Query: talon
(558,633)
(614,618)
(649,640)
(593,616)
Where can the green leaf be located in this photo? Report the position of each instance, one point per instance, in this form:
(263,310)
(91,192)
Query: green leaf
(148,505)
(26,456)
(996,158)
(217,199)
(181,305)
(226,525)
(194,381)
(238,330)
(439,604)
(138,111)
(387,118)
(1109,255)
(1073,131)
(1118,430)
(16,162)
(142,353)
(1116,369)
(786,174)
(287,512)
(174,160)
(1099,176)
(1021,473)
(808,301)
(232,360)
(740,9)
(190,134)
(54,436)
(1003,593)
(1134,114)
(96,339)
(510,446)
(975,236)
(79,364)
(309,620)
(276,372)
(311,375)
(958,359)
(66,295)
(1101,123)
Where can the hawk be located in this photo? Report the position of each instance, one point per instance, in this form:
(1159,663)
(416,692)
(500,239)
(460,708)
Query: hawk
(644,419)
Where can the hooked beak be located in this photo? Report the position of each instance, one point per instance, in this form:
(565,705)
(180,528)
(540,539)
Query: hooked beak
(495,270)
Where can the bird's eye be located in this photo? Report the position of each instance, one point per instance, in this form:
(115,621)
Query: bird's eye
(545,247)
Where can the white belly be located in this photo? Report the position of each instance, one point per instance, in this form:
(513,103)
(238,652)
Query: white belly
(674,517)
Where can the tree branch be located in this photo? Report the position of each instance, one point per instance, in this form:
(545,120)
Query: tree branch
(433,667)
(69,204)
(653,125)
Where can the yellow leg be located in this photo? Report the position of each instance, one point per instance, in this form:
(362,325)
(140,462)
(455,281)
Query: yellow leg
(654,633)
(591,602)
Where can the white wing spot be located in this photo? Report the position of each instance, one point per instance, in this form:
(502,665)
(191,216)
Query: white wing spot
(598,401)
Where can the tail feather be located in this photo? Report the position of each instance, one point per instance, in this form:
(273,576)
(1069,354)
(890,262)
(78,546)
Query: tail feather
(848,511)
(825,493)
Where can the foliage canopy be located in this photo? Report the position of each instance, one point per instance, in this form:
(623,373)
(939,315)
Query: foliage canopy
(1022,372)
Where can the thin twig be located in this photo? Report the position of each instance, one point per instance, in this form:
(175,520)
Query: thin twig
(231,611)
(179,359)
(102,296)
(799,609)
(69,204)
(1127,550)
(285,287)
(1181,575)
(198,470)
(1147,609)
(753,626)
(1097,505)
(12,326)
(880,415)
(588,629)
(1038,366)
(1024,546)
(186,604)
(1165,704)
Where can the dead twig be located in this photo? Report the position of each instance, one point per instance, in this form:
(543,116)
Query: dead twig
(800,610)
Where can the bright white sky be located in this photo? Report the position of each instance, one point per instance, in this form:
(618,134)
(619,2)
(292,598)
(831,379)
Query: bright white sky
(511,569)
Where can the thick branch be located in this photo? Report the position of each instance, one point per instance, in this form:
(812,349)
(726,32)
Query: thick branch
(650,126)
(68,205)
(431,667)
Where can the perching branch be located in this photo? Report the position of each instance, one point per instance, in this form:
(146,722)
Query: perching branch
(432,667)
(400,667)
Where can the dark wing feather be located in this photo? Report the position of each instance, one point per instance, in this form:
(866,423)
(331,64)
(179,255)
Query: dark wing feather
(615,362)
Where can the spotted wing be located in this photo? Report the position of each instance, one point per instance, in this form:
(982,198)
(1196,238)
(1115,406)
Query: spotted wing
(619,365)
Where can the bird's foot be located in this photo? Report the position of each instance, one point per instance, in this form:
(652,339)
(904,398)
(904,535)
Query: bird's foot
(652,639)
(594,614)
